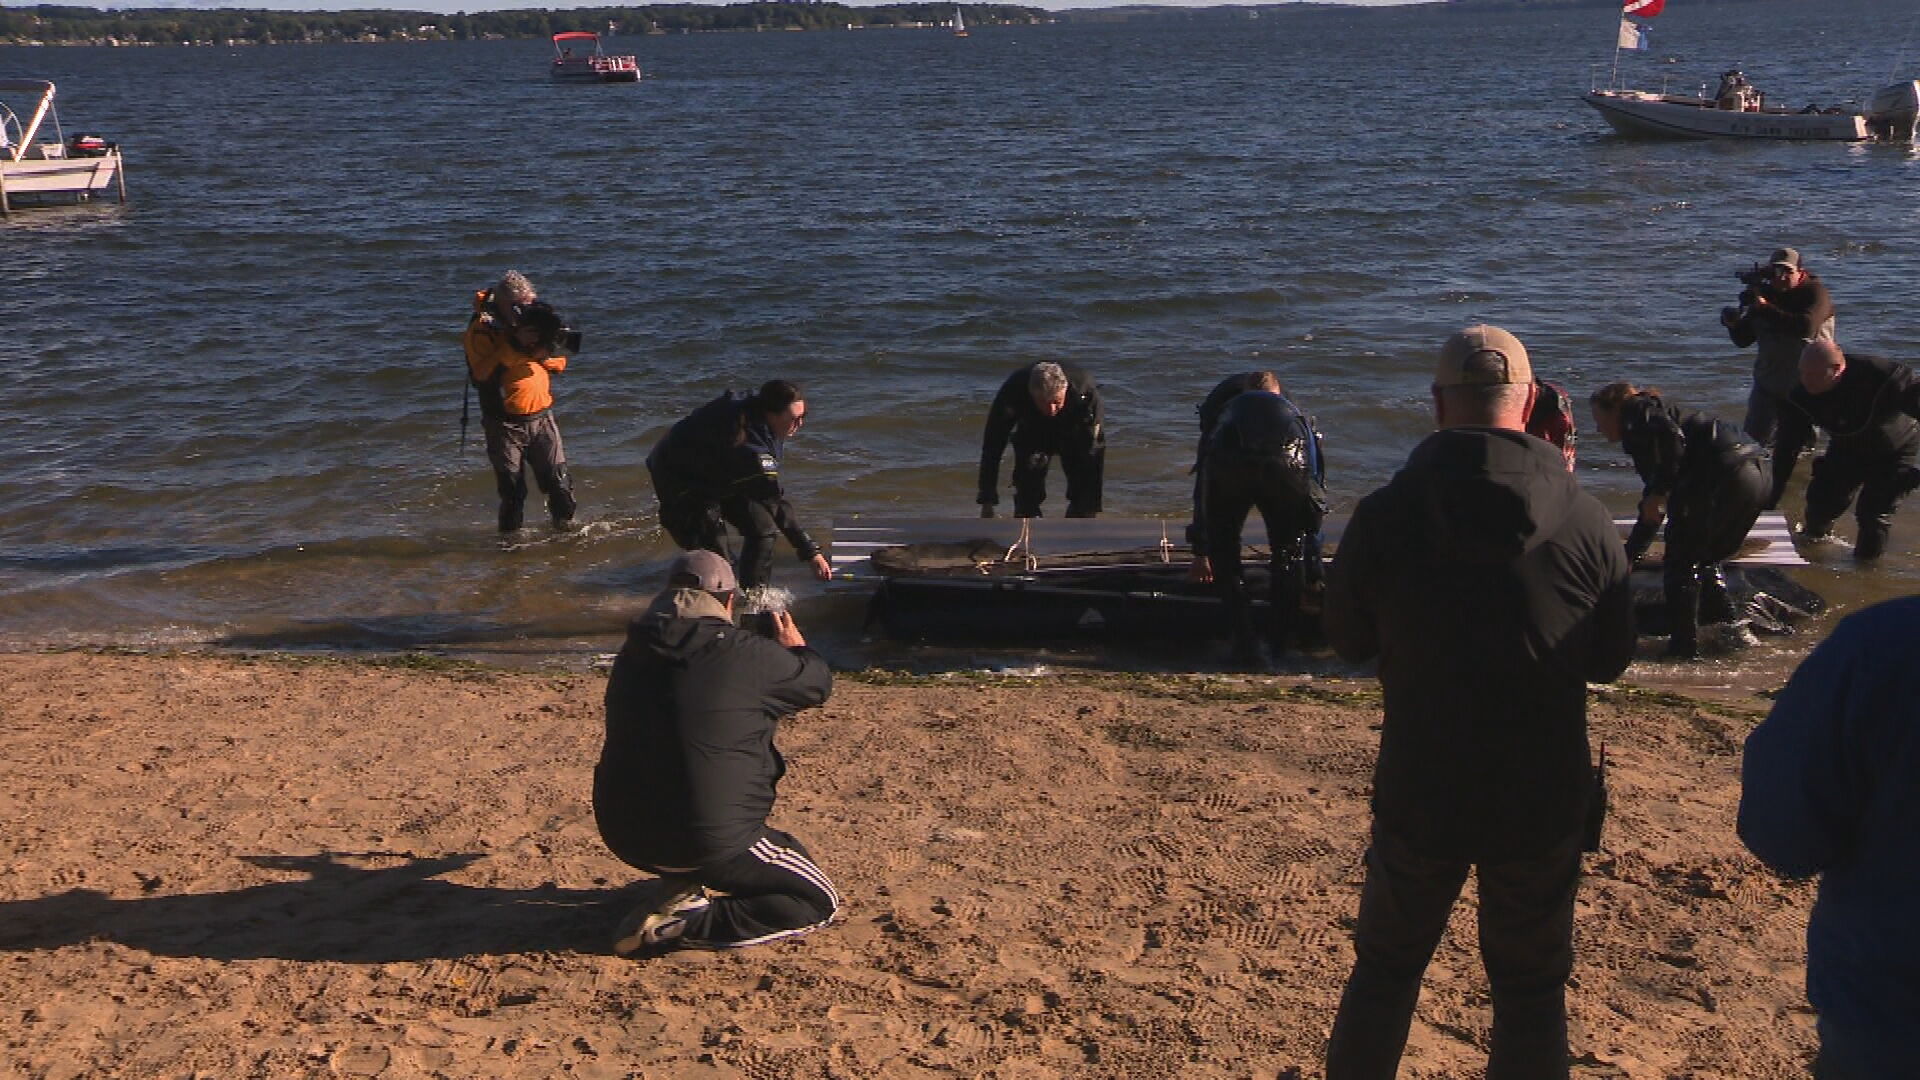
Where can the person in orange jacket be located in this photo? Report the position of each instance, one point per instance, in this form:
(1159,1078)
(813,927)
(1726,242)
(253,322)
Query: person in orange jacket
(510,342)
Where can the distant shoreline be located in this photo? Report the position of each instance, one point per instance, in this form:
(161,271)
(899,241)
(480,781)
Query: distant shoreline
(51,25)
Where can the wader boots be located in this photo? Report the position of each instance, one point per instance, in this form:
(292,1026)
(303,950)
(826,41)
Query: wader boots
(1872,541)
(1683,616)
(1715,605)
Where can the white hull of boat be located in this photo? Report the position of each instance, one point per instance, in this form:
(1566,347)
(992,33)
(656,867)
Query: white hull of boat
(588,75)
(77,177)
(1661,116)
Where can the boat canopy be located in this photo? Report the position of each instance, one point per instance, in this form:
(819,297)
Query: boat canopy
(577,35)
(42,91)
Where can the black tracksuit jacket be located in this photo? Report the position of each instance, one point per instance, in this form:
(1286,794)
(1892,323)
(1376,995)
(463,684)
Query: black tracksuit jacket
(1492,590)
(686,778)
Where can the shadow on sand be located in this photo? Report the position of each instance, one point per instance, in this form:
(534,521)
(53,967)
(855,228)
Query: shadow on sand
(361,908)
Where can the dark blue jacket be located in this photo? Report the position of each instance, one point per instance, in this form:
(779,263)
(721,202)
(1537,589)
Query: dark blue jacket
(1831,786)
(724,450)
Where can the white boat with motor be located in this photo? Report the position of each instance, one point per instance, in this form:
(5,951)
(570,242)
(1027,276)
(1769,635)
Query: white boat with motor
(589,64)
(73,168)
(1737,110)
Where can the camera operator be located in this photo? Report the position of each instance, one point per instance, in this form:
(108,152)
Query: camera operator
(1782,308)
(511,342)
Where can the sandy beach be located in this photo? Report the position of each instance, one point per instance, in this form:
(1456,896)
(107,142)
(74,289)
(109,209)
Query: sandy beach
(271,867)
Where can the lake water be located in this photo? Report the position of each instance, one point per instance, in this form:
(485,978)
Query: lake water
(234,403)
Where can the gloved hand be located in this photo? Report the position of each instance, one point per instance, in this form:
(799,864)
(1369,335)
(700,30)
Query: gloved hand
(1201,572)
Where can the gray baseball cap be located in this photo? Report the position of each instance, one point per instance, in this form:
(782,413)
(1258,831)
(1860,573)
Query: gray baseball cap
(702,570)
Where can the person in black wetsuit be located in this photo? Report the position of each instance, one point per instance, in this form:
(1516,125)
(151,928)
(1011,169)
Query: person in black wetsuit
(1045,409)
(1260,452)
(1868,406)
(721,466)
(1708,483)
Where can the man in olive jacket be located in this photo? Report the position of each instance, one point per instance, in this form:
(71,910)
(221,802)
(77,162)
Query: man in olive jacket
(687,776)
(1492,590)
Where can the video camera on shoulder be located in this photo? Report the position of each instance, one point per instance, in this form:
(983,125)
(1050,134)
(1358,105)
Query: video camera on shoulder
(551,333)
(1757,276)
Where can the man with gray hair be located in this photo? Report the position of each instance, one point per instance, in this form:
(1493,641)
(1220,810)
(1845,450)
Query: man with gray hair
(510,341)
(1491,589)
(1045,409)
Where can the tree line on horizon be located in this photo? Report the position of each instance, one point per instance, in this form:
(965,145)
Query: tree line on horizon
(53,24)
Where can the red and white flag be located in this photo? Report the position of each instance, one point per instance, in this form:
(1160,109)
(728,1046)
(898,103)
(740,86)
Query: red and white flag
(1646,9)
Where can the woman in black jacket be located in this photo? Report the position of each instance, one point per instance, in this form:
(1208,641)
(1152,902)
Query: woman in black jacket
(1705,480)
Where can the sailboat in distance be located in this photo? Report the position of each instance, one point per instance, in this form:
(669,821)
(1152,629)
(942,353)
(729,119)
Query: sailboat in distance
(959,24)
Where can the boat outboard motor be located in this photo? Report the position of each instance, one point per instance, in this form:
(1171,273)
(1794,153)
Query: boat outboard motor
(1894,111)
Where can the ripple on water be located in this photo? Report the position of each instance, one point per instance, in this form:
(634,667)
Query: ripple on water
(241,389)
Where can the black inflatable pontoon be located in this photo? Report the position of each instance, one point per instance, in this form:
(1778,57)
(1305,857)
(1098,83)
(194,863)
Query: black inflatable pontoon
(986,589)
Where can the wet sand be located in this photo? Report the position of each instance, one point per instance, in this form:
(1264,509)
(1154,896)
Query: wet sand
(277,867)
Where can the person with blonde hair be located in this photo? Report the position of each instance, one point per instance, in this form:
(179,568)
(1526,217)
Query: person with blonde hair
(1705,480)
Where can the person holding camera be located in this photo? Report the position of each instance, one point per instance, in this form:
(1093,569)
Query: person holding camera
(1870,408)
(1045,409)
(688,772)
(720,466)
(1782,308)
(1705,480)
(511,342)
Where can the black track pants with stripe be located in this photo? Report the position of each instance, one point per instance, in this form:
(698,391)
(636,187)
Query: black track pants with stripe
(773,890)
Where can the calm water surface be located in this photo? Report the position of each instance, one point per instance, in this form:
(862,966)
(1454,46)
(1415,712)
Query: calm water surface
(234,403)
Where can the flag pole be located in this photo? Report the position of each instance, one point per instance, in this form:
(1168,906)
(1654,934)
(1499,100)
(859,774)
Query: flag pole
(1613,81)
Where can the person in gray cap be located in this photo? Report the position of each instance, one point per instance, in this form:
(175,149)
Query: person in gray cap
(1484,763)
(1783,307)
(687,774)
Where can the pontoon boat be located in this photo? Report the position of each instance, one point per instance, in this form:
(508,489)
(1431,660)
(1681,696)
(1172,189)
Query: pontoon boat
(31,169)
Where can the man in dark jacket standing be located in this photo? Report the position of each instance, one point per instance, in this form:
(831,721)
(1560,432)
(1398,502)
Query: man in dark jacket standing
(722,465)
(687,776)
(1492,590)
(1868,406)
(1830,785)
(1045,409)
(1781,311)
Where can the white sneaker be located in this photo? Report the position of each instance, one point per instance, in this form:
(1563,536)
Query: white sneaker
(656,928)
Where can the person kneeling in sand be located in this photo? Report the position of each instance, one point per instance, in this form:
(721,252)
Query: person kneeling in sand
(686,777)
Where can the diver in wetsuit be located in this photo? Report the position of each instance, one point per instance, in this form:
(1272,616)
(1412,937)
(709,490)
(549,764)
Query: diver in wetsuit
(1705,480)
(1868,406)
(1262,453)
(1045,409)
(721,466)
